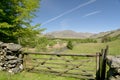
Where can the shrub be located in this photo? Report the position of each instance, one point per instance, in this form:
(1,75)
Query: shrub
(70,45)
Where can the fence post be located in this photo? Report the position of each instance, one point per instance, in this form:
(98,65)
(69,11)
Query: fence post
(103,70)
(98,66)
(24,61)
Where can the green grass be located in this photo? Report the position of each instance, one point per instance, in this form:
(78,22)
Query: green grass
(31,76)
(114,48)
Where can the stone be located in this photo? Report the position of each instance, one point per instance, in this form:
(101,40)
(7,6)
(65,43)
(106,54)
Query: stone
(11,57)
(1,64)
(21,67)
(21,56)
(11,66)
(2,57)
(114,67)
(1,53)
(114,78)
(12,61)
(12,46)
(113,62)
(15,70)
(10,71)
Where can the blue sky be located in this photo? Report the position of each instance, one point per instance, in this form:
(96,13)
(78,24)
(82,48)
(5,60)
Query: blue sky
(78,15)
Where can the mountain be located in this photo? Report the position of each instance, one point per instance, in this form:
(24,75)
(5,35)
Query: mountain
(112,33)
(68,34)
(73,34)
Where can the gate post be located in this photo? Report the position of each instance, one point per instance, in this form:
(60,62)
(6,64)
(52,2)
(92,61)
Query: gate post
(101,64)
(98,66)
(24,60)
(103,70)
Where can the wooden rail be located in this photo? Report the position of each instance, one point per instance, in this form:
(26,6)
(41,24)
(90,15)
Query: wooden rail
(61,54)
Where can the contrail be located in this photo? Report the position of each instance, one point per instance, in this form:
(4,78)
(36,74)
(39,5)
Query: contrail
(92,13)
(69,11)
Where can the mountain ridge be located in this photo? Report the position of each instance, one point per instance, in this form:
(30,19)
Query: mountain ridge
(68,34)
(73,34)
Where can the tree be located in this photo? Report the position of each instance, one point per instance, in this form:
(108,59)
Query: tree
(41,44)
(70,45)
(105,39)
(15,19)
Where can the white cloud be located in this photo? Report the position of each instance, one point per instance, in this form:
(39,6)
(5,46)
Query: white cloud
(92,13)
(69,11)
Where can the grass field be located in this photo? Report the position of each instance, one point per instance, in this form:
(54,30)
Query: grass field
(89,48)
(92,48)
(31,76)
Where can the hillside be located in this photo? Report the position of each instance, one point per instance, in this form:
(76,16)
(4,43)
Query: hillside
(112,33)
(73,34)
(69,34)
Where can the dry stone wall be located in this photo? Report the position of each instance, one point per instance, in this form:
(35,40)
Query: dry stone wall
(114,67)
(11,58)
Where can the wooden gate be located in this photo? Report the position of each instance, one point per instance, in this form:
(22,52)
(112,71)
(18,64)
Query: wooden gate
(82,66)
